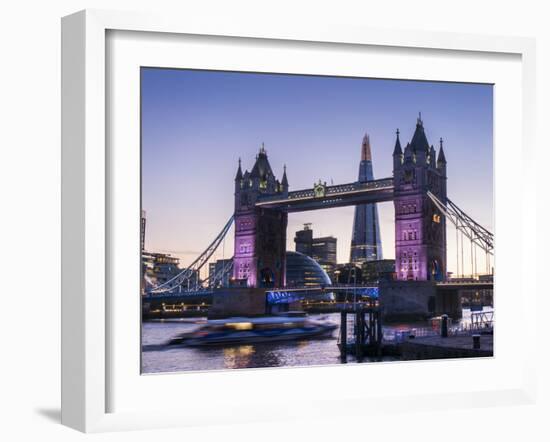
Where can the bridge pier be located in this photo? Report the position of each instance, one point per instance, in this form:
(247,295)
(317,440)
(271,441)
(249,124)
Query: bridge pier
(238,301)
(410,301)
(367,332)
(407,301)
(448,302)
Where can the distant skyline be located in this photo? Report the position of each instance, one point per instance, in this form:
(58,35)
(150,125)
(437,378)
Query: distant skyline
(196,125)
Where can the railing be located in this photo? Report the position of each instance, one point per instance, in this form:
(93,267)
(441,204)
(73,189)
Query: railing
(354,187)
(385,183)
(462,329)
(482,320)
(465,283)
(177,295)
(327,288)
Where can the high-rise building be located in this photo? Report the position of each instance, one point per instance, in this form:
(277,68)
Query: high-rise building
(322,250)
(159,268)
(303,240)
(348,274)
(375,271)
(365,240)
(143,223)
(218,274)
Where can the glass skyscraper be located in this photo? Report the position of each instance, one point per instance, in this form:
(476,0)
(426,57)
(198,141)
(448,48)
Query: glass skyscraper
(365,240)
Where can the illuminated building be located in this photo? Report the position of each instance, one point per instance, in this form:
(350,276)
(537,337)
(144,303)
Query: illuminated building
(260,235)
(216,275)
(365,240)
(143,222)
(322,250)
(420,235)
(374,271)
(348,274)
(160,267)
(303,271)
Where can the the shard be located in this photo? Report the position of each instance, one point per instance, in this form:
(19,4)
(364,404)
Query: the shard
(365,240)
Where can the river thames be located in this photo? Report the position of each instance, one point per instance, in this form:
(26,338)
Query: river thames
(159,358)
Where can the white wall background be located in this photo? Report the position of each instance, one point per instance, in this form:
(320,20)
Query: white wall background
(30,211)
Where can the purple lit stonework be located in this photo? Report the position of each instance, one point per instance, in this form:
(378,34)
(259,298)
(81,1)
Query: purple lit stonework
(420,234)
(260,234)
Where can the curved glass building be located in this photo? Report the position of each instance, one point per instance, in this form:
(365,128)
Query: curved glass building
(303,271)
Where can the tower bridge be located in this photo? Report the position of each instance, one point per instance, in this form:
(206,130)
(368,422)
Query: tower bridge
(418,189)
(262,205)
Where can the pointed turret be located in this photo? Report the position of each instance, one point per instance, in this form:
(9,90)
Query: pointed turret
(441,160)
(432,156)
(239,175)
(408,156)
(419,142)
(397,152)
(284,181)
(397,149)
(365,149)
(261,169)
(246,179)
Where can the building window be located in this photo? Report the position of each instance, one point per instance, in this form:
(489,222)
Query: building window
(245,248)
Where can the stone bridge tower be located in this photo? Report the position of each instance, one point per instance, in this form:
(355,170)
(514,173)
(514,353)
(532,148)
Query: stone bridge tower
(420,233)
(260,234)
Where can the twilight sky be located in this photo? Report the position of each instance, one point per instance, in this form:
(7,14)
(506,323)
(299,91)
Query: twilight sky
(196,124)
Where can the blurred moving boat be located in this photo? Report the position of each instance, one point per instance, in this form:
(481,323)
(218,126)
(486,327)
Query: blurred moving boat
(251,330)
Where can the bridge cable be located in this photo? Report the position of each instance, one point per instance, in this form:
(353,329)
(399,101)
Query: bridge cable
(187,273)
(212,280)
(462,252)
(465,223)
(457,248)
(472,257)
(223,259)
(475,260)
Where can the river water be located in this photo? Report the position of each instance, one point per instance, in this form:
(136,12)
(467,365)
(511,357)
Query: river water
(157,358)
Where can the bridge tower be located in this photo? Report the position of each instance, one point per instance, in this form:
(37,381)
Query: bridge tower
(260,233)
(420,233)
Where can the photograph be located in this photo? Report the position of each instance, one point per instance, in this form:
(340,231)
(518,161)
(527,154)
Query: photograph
(293,220)
(275,221)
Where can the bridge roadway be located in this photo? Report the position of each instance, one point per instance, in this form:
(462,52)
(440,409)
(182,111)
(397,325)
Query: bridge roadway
(323,196)
(280,295)
(274,293)
(465,285)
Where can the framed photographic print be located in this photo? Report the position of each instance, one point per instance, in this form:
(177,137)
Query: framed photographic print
(253,213)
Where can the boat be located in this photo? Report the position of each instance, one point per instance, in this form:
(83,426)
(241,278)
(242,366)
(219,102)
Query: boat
(241,330)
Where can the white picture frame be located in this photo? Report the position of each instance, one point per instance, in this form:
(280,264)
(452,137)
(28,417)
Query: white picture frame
(86,212)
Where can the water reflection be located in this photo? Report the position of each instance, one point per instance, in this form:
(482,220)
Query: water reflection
(238,357)
(157,357)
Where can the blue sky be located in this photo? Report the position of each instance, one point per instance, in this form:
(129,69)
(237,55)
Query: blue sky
(196,124)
